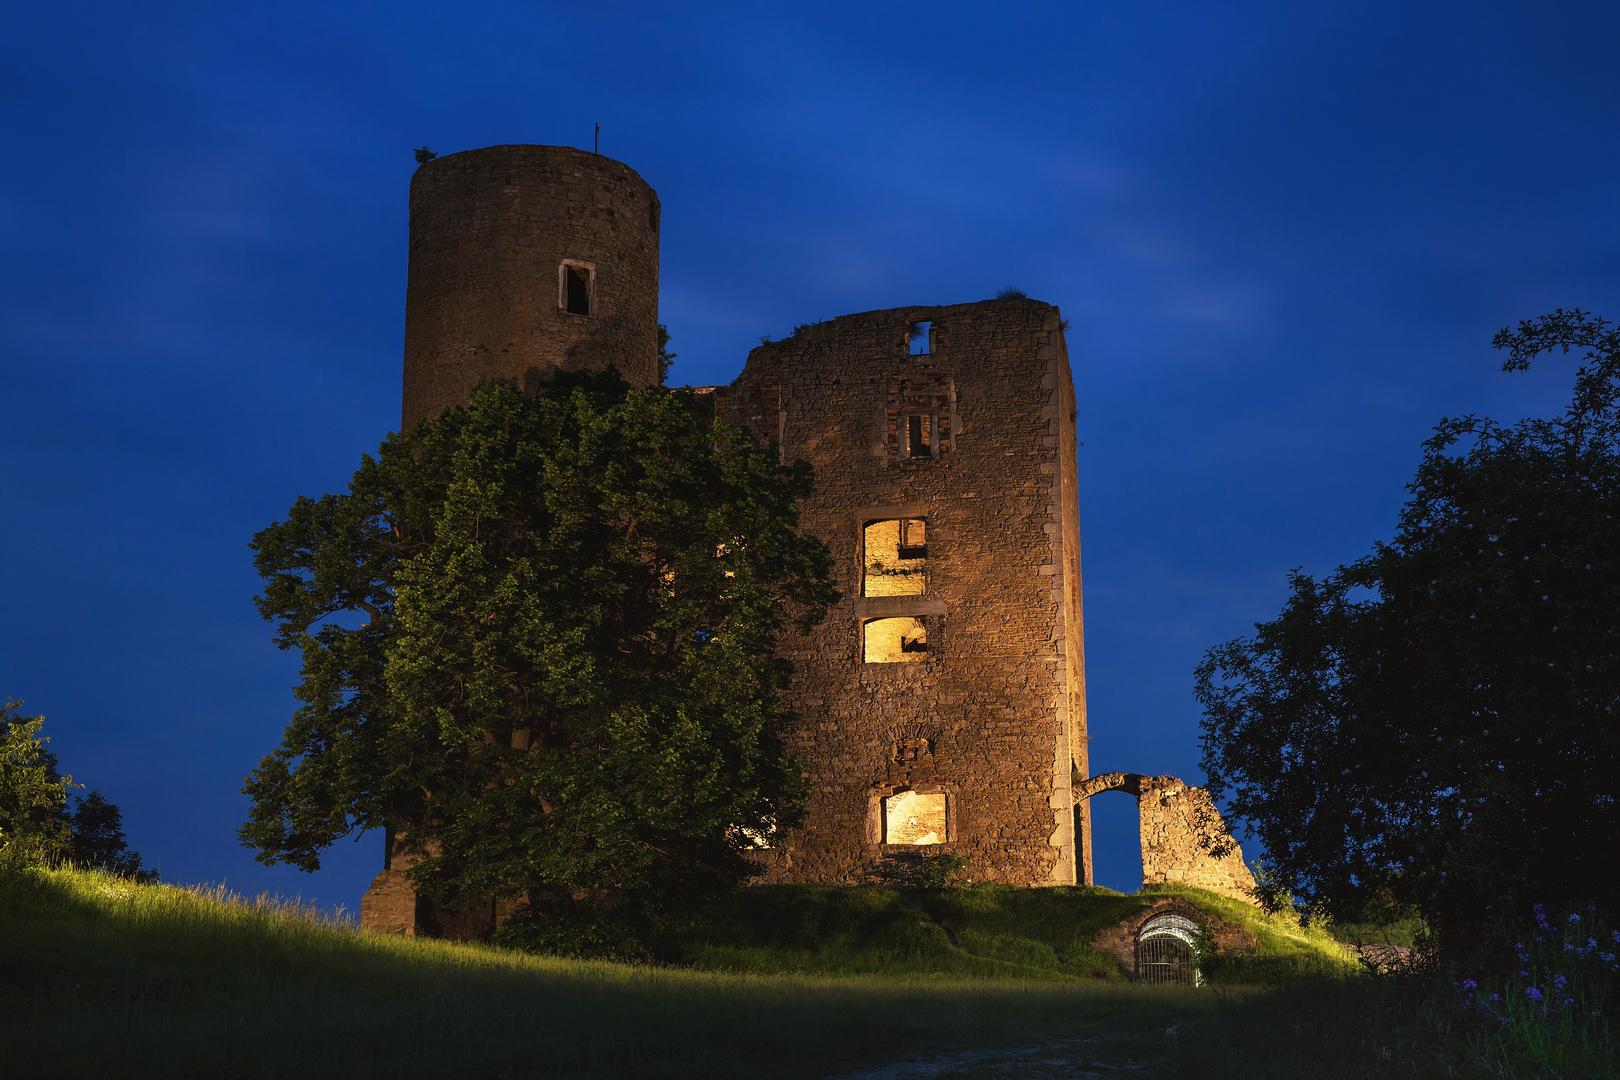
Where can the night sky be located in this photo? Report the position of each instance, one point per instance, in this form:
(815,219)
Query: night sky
(1284,234)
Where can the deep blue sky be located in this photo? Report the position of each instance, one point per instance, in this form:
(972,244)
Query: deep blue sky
(1284,234)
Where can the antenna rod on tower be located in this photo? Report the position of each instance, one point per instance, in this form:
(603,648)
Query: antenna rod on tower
(596,144)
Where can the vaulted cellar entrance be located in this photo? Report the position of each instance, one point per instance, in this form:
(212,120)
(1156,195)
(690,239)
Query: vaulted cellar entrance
(1164,951)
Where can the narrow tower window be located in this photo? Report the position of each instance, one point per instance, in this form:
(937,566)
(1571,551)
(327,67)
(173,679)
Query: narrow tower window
(576,287)
(920,435)
(917,338)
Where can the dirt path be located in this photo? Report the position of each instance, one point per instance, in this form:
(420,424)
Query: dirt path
(1108,1055)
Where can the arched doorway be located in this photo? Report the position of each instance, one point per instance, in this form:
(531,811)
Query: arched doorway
(1183,839)
(1116,844)
(1165,951)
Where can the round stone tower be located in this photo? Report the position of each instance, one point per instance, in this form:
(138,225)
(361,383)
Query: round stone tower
(524,260)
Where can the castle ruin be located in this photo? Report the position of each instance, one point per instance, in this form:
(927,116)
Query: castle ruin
(942,702)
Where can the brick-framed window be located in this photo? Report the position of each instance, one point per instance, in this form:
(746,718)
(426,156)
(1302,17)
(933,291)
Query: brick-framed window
(921,416)
(922,435)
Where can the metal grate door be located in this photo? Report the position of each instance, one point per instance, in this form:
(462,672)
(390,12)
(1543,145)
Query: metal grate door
(1165,960)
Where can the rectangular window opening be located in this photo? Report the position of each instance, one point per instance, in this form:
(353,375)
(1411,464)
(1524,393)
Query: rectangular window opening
(898,640)
(575,288)
(917,338)
(895,560)
(920,435)
(910,817)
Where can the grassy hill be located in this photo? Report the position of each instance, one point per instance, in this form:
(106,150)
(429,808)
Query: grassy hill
(982,932)
(99,977)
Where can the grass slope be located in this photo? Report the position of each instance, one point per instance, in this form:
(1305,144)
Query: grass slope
(983,932)
(99,977)
(102,978)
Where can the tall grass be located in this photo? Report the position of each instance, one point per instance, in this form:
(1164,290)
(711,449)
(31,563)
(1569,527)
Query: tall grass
(99,977)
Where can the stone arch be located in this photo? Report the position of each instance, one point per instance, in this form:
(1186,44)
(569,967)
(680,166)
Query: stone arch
(1122,940)
(1184,840)
(1165,947)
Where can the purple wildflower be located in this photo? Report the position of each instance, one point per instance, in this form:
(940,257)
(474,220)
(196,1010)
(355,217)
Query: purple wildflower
(1532,993)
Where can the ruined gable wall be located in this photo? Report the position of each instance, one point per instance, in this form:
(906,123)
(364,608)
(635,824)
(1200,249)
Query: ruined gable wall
(992,699)
(1185,842)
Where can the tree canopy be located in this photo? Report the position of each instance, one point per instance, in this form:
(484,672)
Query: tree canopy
(41,822)
(34,823)
(1435,723)
(566,687)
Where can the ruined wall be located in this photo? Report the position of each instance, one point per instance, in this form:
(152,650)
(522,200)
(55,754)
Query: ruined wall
(959,673)
(490,231)
(1074,754)
(389,906)
(392,906)
(1184,840)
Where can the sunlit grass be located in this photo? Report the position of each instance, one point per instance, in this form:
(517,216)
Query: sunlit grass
(101,977)
(986,932)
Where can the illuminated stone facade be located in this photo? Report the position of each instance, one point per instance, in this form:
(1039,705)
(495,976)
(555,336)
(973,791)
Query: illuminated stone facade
(1184,840)
(942,703)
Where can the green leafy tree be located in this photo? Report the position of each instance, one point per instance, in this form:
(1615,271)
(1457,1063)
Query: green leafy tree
(1435,724)
(98,840)
(566,689)
(665,357)
(34,825)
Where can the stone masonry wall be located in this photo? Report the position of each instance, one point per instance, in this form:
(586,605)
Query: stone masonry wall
(986,709)
(1184,840)
(489,230)
(1119,941)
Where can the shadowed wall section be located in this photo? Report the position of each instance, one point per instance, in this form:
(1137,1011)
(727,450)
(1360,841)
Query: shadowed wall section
(527,258)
